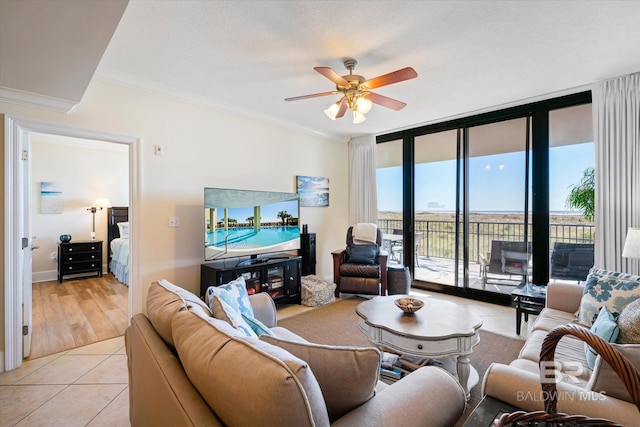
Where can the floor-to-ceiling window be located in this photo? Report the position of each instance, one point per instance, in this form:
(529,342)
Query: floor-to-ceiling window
(571,193)
(481,190)
(390,201)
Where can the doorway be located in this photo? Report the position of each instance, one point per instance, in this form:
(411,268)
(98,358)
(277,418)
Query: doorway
(17,221)
(81,309)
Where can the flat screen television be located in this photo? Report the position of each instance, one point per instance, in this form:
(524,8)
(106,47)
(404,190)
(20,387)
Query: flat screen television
(248,223)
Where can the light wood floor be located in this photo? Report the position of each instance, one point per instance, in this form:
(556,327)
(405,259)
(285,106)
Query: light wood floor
(77,312)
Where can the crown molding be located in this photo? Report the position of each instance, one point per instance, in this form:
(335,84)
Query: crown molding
(34,100)
(136,83)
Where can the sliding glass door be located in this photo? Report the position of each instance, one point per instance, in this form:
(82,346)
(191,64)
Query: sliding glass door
(498,238)
(390,199)
(473,192)
(436,230)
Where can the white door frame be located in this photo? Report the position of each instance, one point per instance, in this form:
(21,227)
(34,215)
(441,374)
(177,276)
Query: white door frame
(13,222)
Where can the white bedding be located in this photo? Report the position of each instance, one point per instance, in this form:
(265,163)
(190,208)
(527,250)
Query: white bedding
(119,265)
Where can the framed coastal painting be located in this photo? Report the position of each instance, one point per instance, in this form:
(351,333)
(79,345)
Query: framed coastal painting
(313,191)
(50,198)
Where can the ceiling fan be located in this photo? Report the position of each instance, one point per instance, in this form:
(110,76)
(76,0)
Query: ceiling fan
(356,91)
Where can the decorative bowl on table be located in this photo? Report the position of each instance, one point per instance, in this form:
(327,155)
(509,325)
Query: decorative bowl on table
(64,238)
(409,305)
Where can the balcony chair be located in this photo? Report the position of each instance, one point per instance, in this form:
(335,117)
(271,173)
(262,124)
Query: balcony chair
(397,247)
(361,267)
(571,261)
(506,259)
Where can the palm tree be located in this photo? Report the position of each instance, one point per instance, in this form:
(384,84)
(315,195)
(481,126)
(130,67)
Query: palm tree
(284,216)
(582,195)
(250,219)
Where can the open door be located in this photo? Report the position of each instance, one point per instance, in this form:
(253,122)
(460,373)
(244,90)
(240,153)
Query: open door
(27,247)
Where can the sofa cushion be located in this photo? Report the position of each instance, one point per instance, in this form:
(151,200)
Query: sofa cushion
(569,349)
(605,380)
(549,318)
(347,375)
(629,324)
(164,300)
(606,328)
(607,288)
(247,381)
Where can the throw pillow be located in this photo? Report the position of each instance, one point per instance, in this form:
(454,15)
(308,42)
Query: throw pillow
(347,375)
(606,328)
(256,326)
(629,324)
(223,311)
(123,229)
(362,254)
(605,288)
(233,293)
(605,380)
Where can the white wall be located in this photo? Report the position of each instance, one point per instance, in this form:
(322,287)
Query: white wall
(85,170)
(205,148)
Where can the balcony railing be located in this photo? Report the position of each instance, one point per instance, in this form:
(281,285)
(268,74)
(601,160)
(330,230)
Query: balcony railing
(437,238)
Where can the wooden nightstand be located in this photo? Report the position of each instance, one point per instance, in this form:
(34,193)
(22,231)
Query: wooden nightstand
(79,257)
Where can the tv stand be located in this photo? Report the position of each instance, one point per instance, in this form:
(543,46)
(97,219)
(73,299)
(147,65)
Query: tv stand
(279,277)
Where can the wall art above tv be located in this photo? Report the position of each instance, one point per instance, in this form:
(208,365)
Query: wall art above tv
(248,222)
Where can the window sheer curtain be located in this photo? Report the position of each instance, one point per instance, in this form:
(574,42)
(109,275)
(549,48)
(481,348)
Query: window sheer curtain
(363,198)
(616,130)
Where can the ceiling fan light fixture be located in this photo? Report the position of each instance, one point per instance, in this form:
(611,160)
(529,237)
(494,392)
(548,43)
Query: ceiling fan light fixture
(363,105)
(332,111)
(358,117)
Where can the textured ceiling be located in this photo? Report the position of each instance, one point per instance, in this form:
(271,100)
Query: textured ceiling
(469,55)
(245,57)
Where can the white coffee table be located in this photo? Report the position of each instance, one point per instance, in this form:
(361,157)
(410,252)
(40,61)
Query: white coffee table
(439,330)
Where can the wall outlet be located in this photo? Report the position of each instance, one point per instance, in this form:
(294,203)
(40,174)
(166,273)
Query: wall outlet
(54,256)
(174,221)
(158,150)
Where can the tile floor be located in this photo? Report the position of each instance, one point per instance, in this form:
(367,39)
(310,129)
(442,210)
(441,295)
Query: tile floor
(87,386)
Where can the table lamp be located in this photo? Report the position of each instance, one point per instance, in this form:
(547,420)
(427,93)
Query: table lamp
(632,244)
(99,204)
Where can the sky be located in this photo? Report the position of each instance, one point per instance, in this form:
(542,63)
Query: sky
(496,182)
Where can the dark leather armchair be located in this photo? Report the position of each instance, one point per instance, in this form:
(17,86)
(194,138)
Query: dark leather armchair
(360,278)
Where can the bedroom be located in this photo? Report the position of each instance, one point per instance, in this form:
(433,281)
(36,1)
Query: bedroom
(84,308)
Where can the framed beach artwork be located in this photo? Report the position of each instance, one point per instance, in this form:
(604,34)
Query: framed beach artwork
(50,198)
(313,191)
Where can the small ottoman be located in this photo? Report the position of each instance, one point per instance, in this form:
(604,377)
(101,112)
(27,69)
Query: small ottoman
(316,291)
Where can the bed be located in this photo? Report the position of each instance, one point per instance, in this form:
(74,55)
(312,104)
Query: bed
(118,243)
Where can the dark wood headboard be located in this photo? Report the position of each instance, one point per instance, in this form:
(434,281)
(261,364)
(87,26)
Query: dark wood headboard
(115,215)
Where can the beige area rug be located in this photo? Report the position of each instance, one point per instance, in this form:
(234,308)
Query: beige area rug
(337,324)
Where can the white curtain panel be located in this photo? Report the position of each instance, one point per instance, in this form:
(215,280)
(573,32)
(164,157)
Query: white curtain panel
(363,199)
(616,130)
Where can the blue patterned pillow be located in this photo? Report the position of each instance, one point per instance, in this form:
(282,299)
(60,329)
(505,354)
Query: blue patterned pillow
(609,289)
(606,328)
(234,294)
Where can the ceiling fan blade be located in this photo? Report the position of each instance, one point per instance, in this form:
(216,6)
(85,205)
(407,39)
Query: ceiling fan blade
(313,95)
(332,75)
(393,77)
(385,101)
(343,108)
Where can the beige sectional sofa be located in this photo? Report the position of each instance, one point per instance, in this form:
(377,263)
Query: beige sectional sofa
(187,368)
(596,393)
